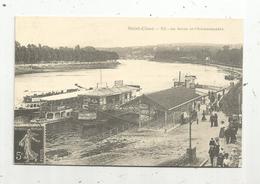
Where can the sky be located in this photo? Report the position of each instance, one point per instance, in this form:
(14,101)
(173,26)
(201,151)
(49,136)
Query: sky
(125,32)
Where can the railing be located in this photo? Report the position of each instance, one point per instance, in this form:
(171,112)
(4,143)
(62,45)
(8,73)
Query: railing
(112,132)
(126,125)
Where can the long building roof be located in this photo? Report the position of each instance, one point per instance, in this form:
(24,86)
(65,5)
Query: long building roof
(172,97)
(93,92)
(167,99)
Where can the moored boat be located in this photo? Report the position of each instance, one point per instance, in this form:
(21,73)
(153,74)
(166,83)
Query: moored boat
(32,102)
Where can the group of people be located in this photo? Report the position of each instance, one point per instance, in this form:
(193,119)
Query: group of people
(227,134)
(218,156)
(230,132)
(215,101)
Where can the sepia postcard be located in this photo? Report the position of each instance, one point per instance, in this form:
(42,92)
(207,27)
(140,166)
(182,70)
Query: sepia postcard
(159,92)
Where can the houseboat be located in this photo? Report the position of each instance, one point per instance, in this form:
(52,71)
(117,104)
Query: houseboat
(84,104)
(105,98)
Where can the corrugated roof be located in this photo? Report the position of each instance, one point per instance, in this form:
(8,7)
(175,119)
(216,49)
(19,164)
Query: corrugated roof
(109,91)
(172,97)
(94,92)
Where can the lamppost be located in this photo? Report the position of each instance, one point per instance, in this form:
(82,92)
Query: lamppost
(190,148)
(191,151)
(190,122)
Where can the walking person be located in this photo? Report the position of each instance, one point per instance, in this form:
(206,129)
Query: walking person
(216,120)
(222,132)
(182,118)
(233,137)
(212,151)
(211,119)
(216,151)
(199,106)
(203,116)
(211,155)
(228,135)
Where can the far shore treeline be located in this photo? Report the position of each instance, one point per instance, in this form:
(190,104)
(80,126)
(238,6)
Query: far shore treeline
(219,54)
(222,56)
(32,54)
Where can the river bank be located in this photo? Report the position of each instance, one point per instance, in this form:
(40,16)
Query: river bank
(227,68)
(63,66)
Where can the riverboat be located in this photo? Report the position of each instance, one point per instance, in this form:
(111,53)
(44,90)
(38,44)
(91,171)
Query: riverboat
(32,101)
(83,104)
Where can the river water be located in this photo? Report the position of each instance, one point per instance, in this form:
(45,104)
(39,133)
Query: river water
(151,76)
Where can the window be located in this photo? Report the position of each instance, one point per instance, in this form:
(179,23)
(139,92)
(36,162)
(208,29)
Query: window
(57,115)
(49,115)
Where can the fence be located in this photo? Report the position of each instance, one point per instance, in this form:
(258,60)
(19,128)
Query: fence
(124,125)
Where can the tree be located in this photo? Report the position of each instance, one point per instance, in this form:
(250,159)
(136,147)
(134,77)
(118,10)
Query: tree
(37,54)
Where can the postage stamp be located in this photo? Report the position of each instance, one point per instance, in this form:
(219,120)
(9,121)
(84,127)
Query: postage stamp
(28,144)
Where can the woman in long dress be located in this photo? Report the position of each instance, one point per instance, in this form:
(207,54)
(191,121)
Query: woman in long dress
(26,143)
(222,132)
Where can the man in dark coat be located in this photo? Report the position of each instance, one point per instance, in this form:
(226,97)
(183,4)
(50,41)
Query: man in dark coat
(233,137)
(211,155)
(211,119)
(215,120)
(203,116)
(228,135)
